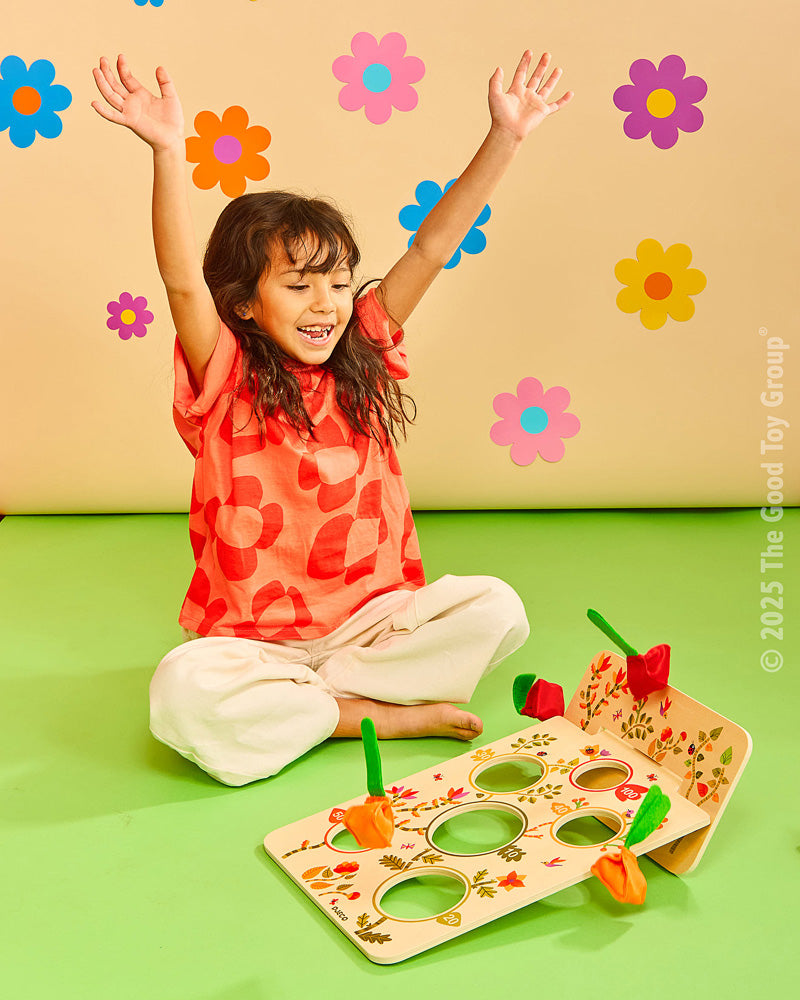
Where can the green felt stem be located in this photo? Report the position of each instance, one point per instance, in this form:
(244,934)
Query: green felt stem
(597,619)
(655,806)
(373,758)
(519,692)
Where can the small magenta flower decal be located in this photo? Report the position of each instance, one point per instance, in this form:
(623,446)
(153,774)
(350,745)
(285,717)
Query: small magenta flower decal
(29,101)
(534,422)
(427,194)
(659,283)
(378,76)
(661,101)
(129,316)
(227,151)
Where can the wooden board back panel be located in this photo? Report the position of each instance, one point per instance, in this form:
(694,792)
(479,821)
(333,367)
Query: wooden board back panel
(705,752)
(349,885)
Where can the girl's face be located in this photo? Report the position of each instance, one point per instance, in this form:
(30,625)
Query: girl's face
(304,313)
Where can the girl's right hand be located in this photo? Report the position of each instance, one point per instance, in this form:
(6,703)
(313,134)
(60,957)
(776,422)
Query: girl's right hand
(156,120)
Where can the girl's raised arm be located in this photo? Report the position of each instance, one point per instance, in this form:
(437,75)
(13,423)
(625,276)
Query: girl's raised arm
(514,115)
(159,122)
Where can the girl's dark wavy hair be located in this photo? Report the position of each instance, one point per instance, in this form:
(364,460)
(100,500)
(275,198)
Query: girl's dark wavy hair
(238,253)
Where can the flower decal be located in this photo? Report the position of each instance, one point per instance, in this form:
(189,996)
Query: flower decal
(144,3)
(129,316)
(427,194)
(661,101)
(227,151)
(29,100)
(659,283)
(378,76)
(511,881)
(534,422)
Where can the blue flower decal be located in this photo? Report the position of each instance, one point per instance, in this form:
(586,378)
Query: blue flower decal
(427,194)
(153,3)
(29,100)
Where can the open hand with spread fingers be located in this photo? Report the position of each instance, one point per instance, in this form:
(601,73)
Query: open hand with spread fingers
(524,105)
(156,120)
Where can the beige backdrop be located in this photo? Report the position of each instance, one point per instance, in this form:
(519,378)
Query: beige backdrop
(668,416)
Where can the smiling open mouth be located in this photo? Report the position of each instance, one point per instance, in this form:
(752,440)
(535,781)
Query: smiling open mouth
(318,335)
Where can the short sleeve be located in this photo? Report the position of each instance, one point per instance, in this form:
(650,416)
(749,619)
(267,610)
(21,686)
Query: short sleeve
(188,406)
(375,324)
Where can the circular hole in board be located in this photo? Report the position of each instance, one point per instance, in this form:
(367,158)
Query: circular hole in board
(422,896)
(600,776)
(477,828)
(588,829)
(509,775)
(343,840)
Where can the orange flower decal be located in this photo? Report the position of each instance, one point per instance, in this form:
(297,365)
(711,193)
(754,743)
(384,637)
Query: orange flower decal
(372,824)
(621,875)
(227,151)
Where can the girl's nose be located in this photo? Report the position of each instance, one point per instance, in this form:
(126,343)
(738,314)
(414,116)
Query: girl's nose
(322,299)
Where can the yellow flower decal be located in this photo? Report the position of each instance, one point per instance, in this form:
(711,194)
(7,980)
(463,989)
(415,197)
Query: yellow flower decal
(659,283)
(227,151)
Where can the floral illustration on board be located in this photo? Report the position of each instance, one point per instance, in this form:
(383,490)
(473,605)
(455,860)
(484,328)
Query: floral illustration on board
(129,316)
(378,76)
(227,151)
(428,193)
(659,283)
(29,101)
(534,422)
(661,101)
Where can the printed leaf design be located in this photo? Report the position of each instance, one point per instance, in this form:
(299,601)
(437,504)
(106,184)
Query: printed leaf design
(363,920)
(372,937)
(727,756)
(714,734)
(392,861)
(313,872)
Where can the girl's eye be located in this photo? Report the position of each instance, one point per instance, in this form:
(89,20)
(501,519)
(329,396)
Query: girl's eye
(341,287)
(298,288)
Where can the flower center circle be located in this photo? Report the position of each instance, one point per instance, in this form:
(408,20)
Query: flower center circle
(27,100)
(128,316)
(377,78)
(534,419)
(227,149)
(657,285)
(661,103)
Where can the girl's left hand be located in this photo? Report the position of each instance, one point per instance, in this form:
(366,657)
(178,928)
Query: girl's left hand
(524,106)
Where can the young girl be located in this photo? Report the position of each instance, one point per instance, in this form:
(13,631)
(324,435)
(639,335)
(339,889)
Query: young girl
(308,609)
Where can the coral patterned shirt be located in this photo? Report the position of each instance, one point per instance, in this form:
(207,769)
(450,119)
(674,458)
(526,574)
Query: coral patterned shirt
(290,535)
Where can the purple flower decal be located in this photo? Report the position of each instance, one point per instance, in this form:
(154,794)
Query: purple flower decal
(129,316)
(661,101)
(534,422)
(378,76)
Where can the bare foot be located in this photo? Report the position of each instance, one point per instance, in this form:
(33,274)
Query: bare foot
(401,721)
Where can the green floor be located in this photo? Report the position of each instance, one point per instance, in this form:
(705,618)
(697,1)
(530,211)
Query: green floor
(127,873)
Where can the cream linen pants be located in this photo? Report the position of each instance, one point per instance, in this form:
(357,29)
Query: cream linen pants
(242,709)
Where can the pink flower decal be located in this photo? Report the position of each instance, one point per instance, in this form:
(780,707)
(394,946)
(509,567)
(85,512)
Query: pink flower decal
(534,422)
(661,101)
(129,316)
(378,76)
